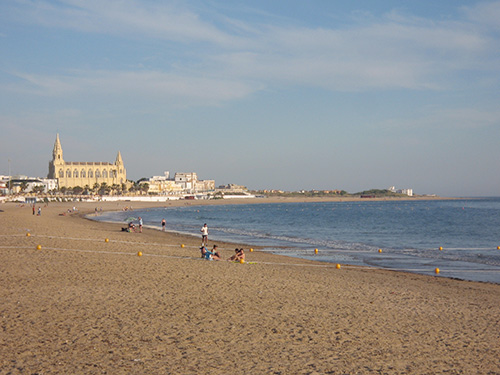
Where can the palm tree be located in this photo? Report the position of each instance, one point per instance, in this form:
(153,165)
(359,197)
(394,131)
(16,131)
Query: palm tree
(38,189)
(105,188)
(77,190)
(144,187)
(23,186)
(115,188)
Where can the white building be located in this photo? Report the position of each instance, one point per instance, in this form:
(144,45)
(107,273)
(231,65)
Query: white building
(408,192)
(190,183)
(182,183)
(27,184)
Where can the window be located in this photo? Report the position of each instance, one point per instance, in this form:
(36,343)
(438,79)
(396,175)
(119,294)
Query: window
(68,173)
(82,173)
(91,173)
(97,173)
(105,173)
(75,173)
(61,173)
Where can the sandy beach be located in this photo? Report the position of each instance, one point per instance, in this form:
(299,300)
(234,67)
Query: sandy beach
(84,305)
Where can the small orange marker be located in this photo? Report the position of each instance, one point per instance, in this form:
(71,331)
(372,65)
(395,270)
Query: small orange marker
(139,254)
(436,270)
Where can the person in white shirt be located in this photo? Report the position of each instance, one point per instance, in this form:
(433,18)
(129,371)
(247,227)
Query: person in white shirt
(204,235)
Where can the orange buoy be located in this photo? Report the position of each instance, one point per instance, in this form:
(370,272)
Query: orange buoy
(28,234)
(182,245)
(440,248)
(106,240)
(379,250)
(139,254)
(436,270)
(39,247)
(315,251)
(337,266)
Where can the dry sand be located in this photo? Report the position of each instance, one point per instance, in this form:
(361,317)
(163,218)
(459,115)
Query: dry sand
(81,305)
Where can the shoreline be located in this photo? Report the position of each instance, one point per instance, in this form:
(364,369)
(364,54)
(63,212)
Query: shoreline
(290,249)
(84,305)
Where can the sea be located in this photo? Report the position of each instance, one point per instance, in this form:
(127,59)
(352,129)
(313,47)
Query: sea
(460,237)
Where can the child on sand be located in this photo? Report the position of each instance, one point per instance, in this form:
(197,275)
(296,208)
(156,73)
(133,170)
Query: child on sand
(239,254)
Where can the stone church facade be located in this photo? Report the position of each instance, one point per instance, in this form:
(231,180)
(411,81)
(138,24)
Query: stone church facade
(71,174)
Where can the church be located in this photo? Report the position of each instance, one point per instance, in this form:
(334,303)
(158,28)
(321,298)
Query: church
(83,173)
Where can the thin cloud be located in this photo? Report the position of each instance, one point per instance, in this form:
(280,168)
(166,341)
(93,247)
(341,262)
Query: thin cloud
(153,84)
(390,52)
(485,14)
(127,17)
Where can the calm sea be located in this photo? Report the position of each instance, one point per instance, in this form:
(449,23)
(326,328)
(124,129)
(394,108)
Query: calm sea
(409,233)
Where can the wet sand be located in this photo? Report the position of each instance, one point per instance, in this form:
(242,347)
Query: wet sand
(82,305)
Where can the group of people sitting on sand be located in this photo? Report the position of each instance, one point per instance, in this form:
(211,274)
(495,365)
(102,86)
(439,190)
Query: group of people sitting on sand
(213,254)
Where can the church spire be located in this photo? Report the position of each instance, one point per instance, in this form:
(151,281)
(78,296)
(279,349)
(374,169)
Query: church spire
(57,153)
(119,159)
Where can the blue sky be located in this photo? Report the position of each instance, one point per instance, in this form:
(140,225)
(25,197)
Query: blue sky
(282,94)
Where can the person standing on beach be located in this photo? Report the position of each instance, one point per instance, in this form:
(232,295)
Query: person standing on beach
(39,211)
(163,223)
(204,235)
(140,224)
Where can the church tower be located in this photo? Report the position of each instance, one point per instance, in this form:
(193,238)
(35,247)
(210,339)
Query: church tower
(121,173)
(57,159)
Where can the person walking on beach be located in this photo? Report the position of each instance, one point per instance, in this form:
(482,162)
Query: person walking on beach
(140,224)
(163,223)
(39,211)
(204,234)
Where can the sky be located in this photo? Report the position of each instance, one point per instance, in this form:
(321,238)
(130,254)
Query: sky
(284,94)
